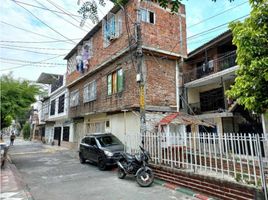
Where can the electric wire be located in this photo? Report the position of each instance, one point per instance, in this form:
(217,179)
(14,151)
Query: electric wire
(62,9)
(27,61)
(31,47)
(220,13)
(69,22)
(28,31)
(24,65)
(44,23)
(17,49)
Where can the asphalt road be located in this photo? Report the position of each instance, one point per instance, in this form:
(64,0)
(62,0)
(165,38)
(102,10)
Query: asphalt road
(53,173)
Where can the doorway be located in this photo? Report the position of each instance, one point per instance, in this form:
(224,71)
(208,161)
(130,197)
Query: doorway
(57,134)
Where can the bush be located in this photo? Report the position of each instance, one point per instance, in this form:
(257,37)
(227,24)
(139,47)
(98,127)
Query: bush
(26,131)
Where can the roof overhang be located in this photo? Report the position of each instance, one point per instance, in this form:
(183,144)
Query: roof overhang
(211,43)
(46,78)
(184,119)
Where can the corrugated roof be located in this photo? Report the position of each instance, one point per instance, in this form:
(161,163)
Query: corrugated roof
(183,118)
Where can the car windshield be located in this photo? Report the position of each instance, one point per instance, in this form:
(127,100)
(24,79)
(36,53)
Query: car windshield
(108,140)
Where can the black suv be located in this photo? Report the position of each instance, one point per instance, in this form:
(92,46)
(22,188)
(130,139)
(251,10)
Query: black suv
(101,148)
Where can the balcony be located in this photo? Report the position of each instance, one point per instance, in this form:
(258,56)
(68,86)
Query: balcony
(225,61)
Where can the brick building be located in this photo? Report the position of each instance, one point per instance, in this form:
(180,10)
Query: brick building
(102,69)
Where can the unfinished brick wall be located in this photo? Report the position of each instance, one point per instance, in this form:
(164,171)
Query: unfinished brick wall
(162,35)
(160,81)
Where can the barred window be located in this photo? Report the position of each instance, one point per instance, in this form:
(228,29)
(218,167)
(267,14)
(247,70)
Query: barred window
(61,104)
(90,92)
(74,98)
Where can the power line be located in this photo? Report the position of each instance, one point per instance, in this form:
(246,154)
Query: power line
(35,65)
(29,64)
(60,8)
(27,47)
(28,61)
(34,42)
(47,9)
(28,31)
(62,17)
(28,51)
(207,31)
(206,19)
(44,23)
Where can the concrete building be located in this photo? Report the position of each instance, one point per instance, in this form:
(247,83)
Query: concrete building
(58,128)
(102,73)
(207,73)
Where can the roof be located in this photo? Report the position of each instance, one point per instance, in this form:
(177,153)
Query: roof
(183,118)
(210,43)
(90,33)
(46,78)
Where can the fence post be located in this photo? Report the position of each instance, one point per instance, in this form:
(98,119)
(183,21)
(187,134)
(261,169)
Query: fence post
(262,175)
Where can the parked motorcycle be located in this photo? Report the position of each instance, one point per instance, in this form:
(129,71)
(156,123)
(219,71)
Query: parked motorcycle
(136,165)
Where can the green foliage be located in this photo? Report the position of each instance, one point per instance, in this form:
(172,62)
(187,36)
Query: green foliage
(251,38)
(6,121)
(16,98)
(89,10)
(26,131)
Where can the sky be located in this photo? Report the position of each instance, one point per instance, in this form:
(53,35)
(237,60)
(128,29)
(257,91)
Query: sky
(25,41)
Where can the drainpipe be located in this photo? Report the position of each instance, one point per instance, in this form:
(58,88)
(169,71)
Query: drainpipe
(177,87)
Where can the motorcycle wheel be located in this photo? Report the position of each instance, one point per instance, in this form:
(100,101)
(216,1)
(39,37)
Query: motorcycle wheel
(121,173)
(145,178)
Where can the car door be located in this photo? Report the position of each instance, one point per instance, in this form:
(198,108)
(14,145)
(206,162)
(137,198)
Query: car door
(93,149)
(84,148)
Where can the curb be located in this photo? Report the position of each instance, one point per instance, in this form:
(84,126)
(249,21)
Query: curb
(183,190)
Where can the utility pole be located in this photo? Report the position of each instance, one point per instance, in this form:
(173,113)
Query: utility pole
(140,76)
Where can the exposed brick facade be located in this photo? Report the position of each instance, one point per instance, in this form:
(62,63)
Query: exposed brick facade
(167,34)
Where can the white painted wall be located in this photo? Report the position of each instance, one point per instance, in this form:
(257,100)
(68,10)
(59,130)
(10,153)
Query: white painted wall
(118,122)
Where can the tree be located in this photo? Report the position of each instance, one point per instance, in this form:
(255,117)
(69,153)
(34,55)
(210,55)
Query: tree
(16,98)
(26,131)
(251,38)
(89,8)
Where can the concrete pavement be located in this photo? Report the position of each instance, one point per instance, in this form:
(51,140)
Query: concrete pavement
(51,172)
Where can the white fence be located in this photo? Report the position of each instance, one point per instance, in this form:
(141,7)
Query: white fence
(242,157)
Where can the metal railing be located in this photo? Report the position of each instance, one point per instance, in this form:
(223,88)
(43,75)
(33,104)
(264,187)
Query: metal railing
(238,157)
(211,67)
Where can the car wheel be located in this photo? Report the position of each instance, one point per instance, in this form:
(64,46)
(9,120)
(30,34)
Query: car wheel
(101,164)
(82,160)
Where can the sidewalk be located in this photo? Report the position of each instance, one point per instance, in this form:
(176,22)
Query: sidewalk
(12,185)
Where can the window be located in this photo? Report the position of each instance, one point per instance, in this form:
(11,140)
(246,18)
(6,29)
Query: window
(147,16)
(61,104)
(212,100)
(74,98)
(52,107)
(71,64)
(115,82)
(90,92)
(111,27)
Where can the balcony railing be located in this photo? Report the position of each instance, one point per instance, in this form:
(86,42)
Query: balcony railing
(211,67)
